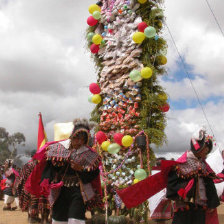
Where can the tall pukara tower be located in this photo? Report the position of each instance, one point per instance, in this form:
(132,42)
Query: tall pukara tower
(124,37)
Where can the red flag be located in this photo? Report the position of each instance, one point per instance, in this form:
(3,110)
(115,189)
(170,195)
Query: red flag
(42,137)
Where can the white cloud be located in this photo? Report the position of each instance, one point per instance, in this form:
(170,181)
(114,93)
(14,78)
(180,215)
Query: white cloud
(183,123)
(199,42)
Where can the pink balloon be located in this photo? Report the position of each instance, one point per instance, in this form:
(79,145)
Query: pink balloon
(94,88)
(91,21)
(118,138)
(142,26)
(94,48)
(101,137)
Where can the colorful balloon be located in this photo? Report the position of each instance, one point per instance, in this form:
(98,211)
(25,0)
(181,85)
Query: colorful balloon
(93,8)
(135,181)
(135,75)
(142,1)
(90,36)
(94,48)
(118,138)
(113,148)
(138,37)
(150,32)
(101,137)
(91,21)
(146,73)
(94,88)
(105,145)
(96,15)
(97,39)
(140,174)
(127,140)
(163,96)
(142,26)
(161,60)
(90,99)
(96,98)
(165,108)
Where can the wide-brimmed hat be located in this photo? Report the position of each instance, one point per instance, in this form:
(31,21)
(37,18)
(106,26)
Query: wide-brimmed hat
(199,140)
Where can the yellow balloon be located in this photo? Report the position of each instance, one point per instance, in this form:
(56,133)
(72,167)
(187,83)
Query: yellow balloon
(138,37)
(96,98)
(105,145)
(136,181)
(146,73)
(163,96)
(161,59)
(127,140)
(97,39)
(142,1)
(93,8)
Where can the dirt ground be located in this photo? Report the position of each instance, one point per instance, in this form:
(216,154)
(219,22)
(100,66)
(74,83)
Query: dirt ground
(18,217)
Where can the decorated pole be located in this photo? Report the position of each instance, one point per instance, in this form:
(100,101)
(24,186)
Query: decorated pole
(124,38)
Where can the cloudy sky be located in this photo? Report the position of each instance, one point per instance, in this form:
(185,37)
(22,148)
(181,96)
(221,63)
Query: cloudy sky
(45,67)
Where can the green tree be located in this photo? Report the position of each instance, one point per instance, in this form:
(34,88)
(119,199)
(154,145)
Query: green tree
(7,141)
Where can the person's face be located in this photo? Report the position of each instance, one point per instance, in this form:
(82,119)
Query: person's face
(77,142)
(204,152)
(6,165)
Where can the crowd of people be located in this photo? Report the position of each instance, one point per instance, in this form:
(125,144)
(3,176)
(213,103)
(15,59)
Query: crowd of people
(62,181)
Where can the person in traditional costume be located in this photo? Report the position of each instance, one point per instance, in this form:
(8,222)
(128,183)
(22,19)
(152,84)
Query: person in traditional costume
(188,181)
(9,193)
(2,182)
(70,178)
(191,185)
(30,203)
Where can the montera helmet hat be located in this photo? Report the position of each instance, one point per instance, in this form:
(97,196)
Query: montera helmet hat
(83,127)
(199,140)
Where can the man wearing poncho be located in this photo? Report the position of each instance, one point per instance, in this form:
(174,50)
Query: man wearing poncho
(189,182)
(69,176)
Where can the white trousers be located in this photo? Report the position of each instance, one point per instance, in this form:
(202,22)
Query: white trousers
(8,199)
(17,201)
(70,221)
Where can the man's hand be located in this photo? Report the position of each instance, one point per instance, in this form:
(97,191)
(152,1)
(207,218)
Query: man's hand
(76,166)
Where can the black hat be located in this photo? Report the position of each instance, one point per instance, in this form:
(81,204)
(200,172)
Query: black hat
(198,143)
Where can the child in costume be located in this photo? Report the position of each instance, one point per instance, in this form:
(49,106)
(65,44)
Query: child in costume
(70,178)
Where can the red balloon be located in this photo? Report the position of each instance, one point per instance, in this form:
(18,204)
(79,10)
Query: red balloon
(94,48)
(165,108)
(118,138)
(94,88)
(91,21)
(101,137)
(142,26)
